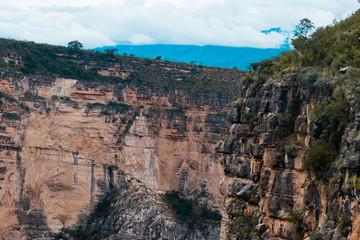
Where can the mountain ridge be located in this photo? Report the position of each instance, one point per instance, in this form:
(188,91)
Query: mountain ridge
(208,55)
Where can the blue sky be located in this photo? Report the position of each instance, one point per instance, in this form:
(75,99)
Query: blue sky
(95,23)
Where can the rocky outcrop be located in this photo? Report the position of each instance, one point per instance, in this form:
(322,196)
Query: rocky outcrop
(263,179)
(268,158)
(131,210)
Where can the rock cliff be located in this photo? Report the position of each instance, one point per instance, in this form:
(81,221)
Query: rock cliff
(291,159)
(71,148)
(92,144)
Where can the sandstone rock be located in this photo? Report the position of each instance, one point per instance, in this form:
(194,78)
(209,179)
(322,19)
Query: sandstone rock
(235,115)
(240,130)
(226,146)
(75,138)
(245,192)
(271,121)
(267,139)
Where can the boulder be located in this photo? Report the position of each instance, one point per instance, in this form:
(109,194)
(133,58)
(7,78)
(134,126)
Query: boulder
(271,121)
(267,139)
(343,70)
(245,192)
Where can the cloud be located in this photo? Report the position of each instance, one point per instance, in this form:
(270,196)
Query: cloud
(199,22)
(140,39)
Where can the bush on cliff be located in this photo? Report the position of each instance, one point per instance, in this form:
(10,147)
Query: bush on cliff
(186,211)
(243,226)
(330,122)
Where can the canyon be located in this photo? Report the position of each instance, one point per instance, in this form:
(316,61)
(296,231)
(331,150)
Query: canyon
(103,146)
(67,144)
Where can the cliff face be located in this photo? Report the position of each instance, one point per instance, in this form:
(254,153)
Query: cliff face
(90,141)
(65,144)
(283,181)
(260,179)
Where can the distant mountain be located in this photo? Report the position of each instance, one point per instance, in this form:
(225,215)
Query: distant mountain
(227,57)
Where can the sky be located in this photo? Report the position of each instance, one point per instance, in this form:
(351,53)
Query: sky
(97,23)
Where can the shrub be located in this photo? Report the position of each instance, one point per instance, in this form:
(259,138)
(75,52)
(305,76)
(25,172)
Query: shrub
(185,211)
(251,120)
(11,116)
(345,223)
(320,157)
(291,151)
(243,226)
(308,77)
(296,218)
(332,117)
(286,125)
(7,97)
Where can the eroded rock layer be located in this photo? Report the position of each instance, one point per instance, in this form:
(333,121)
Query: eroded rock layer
(63,143)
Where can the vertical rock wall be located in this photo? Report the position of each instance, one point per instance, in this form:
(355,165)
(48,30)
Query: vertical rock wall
(63,144)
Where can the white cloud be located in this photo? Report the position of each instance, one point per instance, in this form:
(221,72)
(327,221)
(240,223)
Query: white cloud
(199,22)
(139,39)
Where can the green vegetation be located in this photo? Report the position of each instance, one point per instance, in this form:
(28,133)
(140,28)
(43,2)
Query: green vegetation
(95,223)
(75,44)
(109,108)
(289,145)
(321,156)
(179,111)
(11,116)
(312,81)
(345,224)
(84,65)
(286,125)
(114,107)
(304,27)
(8,98)
(296,218)
(326,50)
(315,63)
(243,226)
(330,121)
(217,117)
(251,120)
(92,106)
(186,211)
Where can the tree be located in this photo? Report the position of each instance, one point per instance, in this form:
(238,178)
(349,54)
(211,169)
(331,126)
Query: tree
(304,27)
(75,44)
(301,34)
(111,51)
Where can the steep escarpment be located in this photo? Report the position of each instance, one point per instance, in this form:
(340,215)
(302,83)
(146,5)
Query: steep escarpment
(79,129)
(91,144)
(291,158)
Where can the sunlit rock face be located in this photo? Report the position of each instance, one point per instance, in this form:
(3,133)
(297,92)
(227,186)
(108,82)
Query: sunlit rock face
(65,144)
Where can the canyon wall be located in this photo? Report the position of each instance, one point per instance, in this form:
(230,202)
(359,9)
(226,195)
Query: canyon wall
(65,144)
(273,187)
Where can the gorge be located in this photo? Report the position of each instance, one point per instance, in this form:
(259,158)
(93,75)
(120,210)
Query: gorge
(103,146)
